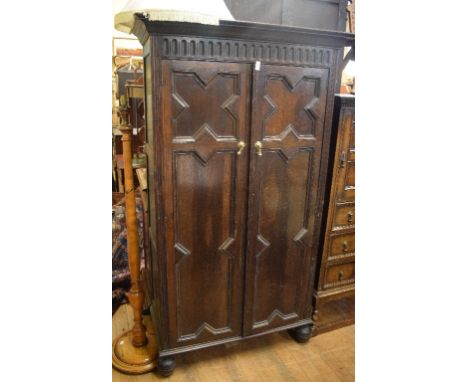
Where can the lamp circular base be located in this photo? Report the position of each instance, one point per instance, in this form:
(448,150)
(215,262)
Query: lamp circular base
(134,360)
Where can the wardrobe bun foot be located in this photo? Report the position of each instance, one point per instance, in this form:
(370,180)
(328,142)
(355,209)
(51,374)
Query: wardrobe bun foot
(166,366)
(301,334)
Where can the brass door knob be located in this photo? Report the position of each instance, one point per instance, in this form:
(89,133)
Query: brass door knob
(258,148)
(240,146)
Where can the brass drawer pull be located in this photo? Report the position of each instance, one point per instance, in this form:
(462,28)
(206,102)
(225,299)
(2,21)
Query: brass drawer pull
(258,148)
(340,276)
(345,246)
(241,146)
(350,216)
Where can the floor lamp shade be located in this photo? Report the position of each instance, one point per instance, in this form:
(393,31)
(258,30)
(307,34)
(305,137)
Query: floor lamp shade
(202,12)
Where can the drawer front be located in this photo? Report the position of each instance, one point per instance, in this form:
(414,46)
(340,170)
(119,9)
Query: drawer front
(344,216)
(339,274)
(352,155)
(341,245)
(350,176)
(346,184)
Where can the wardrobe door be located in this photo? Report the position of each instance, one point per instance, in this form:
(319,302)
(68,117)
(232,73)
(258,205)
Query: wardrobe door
(288,114)
(204,186)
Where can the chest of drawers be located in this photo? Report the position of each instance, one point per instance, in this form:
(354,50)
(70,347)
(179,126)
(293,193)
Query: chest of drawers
(334,291)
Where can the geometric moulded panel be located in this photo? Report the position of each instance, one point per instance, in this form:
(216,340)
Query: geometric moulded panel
(203,244)
(193,92)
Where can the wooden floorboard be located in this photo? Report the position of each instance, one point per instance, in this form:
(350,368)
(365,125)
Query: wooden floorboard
(329,357)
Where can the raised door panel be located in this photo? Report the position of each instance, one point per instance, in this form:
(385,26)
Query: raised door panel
(288,114)
(204,191)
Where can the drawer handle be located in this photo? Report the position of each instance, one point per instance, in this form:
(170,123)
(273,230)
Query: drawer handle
(342,159)
(350,216)
(340,276)
(241,146)
(258,148)
(345,246)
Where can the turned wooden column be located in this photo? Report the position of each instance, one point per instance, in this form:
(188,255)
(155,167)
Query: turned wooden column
(135,295)
(135,351)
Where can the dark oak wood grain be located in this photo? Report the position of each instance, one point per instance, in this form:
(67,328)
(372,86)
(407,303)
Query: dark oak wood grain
(235,227)
(290,104)
(204,121)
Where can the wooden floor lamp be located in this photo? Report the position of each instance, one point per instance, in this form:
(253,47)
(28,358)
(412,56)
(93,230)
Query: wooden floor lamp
(135,351)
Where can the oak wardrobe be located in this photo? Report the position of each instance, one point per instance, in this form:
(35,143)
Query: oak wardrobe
(238,133)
